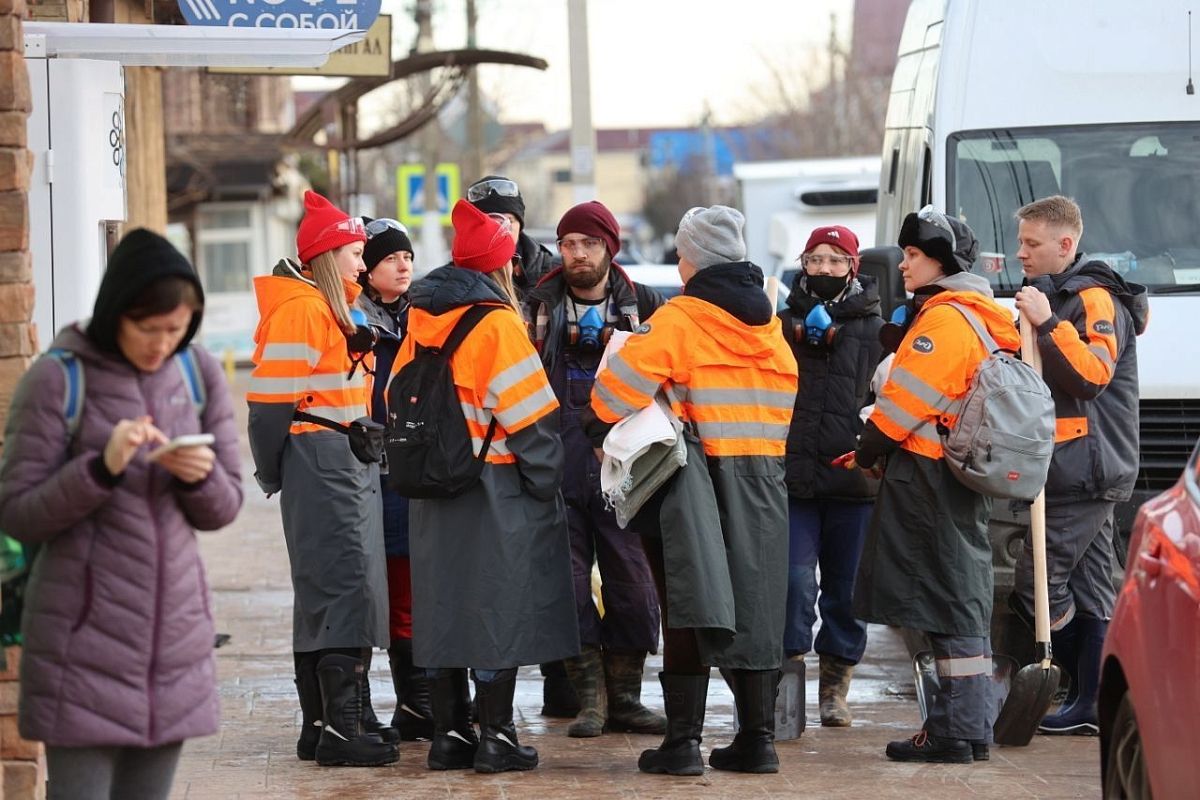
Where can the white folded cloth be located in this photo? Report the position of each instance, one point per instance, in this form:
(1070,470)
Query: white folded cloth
(629,439)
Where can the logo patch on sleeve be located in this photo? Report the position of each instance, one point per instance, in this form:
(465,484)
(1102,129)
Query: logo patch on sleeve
(1103,327)
(923,344)
(643,328)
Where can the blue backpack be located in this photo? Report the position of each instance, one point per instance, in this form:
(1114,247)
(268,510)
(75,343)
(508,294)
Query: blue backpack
(74,391)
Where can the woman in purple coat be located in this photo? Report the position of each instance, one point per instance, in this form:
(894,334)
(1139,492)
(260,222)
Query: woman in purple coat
(118,668)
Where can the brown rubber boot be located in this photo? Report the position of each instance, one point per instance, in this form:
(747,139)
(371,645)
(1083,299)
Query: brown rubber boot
(831,692)
(623,677)
(586,672)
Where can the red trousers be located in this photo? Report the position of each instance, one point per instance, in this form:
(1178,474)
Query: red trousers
(399,598)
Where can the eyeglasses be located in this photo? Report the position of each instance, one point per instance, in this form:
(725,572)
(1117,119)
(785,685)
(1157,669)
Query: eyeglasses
(819,260)
(570,245)
(505,222)
(938,220)
(378,226)
(501,186)
(351,225)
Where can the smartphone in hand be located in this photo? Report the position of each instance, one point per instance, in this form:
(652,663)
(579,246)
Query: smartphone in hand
(186,440)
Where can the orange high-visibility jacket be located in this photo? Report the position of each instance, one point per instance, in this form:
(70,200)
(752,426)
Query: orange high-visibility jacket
(735,381)
(496,372)
(300,354)
(933,368)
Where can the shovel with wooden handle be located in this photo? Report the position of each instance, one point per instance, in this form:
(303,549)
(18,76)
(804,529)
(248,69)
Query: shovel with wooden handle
(1034,686)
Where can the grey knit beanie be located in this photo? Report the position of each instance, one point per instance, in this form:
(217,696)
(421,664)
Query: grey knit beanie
(710,236)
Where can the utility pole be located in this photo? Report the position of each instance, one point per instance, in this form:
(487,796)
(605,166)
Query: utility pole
(433,244)
(583,136)
(474,111)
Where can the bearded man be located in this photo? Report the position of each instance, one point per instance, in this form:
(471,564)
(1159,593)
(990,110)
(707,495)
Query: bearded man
(572,313)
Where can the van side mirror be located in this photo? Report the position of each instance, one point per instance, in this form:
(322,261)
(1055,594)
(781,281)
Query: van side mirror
(883,264)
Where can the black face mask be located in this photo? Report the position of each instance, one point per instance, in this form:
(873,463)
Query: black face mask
(827,287)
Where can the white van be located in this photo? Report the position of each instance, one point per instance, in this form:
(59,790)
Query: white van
(994,105)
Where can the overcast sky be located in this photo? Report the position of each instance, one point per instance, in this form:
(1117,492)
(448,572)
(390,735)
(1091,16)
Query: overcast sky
(654,62)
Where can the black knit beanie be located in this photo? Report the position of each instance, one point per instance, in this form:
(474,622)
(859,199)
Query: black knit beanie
(499,204)
(382,245)
(141,258)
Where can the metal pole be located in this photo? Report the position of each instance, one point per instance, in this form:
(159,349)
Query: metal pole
(474,112)
(583,136)
(433,244)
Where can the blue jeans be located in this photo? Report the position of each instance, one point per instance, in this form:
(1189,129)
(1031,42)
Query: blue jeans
(830,534)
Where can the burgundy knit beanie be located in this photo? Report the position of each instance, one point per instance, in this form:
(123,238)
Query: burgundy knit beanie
(592,219)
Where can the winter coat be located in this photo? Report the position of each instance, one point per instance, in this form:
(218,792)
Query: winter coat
(390,325)
(719,354)
(491,568)
(330,504)
(1089,361)
(835,384)
(927,560)
(118,628)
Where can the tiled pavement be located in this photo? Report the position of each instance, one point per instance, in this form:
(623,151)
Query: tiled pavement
(254,754)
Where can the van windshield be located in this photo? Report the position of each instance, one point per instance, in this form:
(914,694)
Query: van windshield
(1137,185)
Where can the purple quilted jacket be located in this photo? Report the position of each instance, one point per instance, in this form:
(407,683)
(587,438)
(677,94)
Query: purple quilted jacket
(118,628)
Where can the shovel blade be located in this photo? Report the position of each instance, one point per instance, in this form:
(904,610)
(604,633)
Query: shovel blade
(1028,701)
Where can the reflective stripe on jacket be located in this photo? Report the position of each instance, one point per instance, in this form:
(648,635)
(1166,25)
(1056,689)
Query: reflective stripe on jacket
(300,354)
(496,373)
(933,368)
(736,382)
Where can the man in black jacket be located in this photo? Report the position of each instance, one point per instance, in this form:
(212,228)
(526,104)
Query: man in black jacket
(832,323)
(572,312)
(1087,319)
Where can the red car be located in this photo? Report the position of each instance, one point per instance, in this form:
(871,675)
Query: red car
(1150,682)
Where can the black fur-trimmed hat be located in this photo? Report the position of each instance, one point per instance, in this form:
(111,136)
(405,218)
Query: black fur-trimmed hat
(942,238)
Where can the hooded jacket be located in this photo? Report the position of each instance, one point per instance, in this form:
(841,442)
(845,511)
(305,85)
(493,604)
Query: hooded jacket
(118,627)
(933,368)
(301,362)
(1089,361)
(835,384)
(718,353)
(491,568)
(536,262)
(927,561)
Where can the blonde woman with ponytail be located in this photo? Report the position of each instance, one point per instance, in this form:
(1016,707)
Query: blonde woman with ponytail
(304,382)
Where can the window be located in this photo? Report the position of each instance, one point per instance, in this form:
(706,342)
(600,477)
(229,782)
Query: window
(225,237)
(1138,187)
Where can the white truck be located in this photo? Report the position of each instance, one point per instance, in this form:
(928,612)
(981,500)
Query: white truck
(784,200)
(994,105)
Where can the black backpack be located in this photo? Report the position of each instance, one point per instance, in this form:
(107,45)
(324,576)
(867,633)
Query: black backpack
(429,452)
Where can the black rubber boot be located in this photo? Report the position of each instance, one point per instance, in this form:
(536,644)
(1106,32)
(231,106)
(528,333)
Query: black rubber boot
(931,749)
(499,750)
(558,695)
(1080,718)
(684,698)
(309,691)
(343,741)
(413,717)
(753,748)
(371,723)
(1065,644)
(454,738)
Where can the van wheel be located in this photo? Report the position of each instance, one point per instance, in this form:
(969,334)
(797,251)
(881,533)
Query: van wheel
(1126,777)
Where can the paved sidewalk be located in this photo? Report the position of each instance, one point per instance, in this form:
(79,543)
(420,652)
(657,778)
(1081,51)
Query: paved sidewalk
(254,754)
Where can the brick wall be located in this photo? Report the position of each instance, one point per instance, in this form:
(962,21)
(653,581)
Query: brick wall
(24,764)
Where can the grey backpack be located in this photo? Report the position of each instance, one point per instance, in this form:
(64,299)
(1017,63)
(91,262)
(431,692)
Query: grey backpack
(1004,438)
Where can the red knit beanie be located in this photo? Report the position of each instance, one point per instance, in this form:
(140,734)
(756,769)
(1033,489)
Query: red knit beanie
(325,227)
(479,241)
(592,219)
(836,236)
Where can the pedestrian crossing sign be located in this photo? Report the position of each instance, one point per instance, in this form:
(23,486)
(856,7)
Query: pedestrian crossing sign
(410,192)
